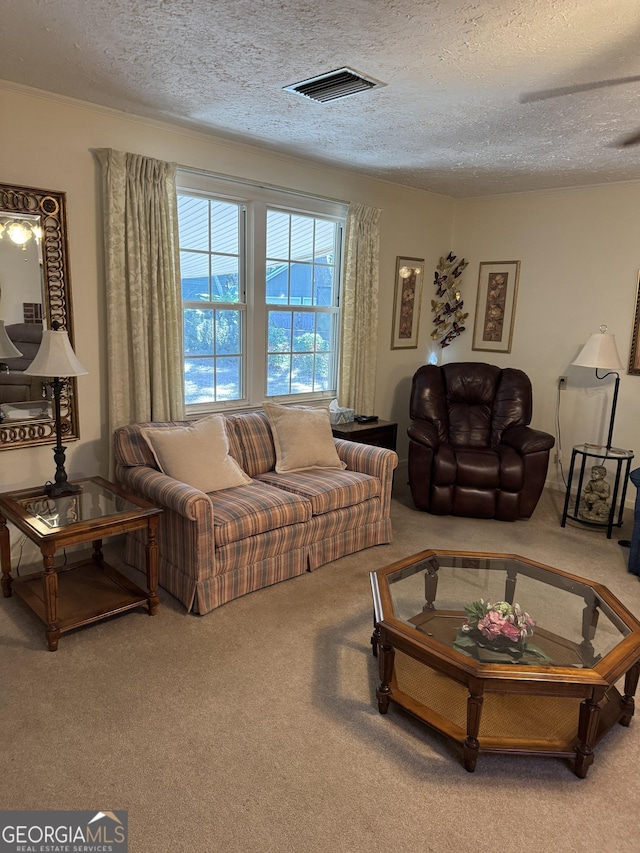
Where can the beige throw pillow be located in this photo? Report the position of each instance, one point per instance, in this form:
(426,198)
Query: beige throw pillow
(302,438)
(197,455)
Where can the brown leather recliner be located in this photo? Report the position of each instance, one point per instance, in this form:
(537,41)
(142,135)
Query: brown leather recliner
(471,450)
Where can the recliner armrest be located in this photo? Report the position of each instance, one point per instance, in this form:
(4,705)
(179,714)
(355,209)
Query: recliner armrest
(424,432)
(526,440)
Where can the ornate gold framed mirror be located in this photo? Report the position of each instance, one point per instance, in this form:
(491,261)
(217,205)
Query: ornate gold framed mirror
(35,291)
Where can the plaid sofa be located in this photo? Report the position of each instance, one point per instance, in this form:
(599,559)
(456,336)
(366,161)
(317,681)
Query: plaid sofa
(216,547)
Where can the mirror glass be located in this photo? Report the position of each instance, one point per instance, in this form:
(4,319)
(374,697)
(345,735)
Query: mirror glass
(34,291)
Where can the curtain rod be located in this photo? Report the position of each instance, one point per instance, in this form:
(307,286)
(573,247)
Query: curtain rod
(246,182)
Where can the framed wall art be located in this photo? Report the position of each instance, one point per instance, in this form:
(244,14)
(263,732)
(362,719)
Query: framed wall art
(496,305)
(406,303)
(634,358)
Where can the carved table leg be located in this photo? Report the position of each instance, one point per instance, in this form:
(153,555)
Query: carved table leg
(50,590)
(627,701)
(97,555)
(5,557)
(385,664)
(587,730)
(152,565)
(375,637)
(471,746)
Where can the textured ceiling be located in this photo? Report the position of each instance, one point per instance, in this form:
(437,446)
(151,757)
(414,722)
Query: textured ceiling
(450,119)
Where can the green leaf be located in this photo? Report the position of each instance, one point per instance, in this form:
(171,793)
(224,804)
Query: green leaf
(537,652)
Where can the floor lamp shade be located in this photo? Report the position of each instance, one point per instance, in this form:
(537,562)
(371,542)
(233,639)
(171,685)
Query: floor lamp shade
(55,357)
(600,352)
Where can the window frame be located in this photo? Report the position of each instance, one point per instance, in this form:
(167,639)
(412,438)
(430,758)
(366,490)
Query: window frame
(256,200)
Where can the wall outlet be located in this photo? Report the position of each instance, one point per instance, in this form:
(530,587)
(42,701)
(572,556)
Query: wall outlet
(562,382)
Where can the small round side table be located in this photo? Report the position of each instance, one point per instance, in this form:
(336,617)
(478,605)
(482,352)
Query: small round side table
(599,455)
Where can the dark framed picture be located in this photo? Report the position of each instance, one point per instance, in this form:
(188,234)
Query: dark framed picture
(406,303)
(496,305)
(634,358)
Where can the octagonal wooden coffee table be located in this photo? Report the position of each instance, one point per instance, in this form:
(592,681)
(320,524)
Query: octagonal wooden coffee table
(552,693)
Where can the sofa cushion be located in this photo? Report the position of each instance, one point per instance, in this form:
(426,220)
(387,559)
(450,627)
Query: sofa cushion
(328,489)
(302,437)
(255,508)
(197,455)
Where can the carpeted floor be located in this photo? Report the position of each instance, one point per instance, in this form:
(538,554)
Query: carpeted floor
(255,727)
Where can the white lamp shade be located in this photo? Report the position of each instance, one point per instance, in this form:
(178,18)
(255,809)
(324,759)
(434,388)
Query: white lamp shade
(55,357)
(7,347)
(600,351)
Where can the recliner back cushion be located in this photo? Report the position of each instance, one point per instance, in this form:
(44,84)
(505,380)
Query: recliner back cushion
(471,403)
(470,391)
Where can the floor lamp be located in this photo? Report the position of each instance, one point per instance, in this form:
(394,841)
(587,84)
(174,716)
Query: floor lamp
(55,358)
(600,353)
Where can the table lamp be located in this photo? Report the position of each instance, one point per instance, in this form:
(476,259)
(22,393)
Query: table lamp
(600,352)
(7,348)
(56,358)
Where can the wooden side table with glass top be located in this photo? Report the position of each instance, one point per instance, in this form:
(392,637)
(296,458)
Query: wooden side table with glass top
(86,591)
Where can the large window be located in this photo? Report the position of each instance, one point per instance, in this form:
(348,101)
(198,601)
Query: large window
(260,292)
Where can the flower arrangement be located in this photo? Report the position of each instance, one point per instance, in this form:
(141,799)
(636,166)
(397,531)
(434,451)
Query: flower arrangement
(502,628)
(448,316)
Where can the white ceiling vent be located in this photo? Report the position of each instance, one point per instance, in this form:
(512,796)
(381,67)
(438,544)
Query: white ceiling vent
(336,84)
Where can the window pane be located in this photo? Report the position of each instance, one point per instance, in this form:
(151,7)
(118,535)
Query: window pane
(228,372)
(324,328)
(277,235)
(225,279)
(301,374)
(228,333)
(300,288)
(301,238)
(198,331)
(193,225)
(321,373)
(194,274)
(224,227)
(199,386)
(278,375)
(325,241)
(303,337)
(279,338)
(278,284)
(323,285)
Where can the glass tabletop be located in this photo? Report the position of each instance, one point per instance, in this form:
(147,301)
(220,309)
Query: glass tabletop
(93,501)
(504,610)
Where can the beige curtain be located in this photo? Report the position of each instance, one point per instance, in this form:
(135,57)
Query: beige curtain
(144,310)
(359,338)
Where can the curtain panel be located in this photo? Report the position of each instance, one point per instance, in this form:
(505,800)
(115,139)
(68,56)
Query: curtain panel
(143,299)
(359,337)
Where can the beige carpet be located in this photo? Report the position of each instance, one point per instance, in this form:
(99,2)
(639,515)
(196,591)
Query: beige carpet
(255,728)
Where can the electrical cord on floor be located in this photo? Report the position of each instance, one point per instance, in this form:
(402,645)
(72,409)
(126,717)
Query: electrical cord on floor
(24,539)
(559,437)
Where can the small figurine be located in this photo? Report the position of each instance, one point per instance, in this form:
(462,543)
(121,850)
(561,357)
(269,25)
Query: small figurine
(596,496)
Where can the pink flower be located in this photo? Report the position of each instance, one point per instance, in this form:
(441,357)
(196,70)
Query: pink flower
(491,625)
(511,631)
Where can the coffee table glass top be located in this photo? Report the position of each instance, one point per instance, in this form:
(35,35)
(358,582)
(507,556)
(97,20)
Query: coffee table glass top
(93,501)
(550,618)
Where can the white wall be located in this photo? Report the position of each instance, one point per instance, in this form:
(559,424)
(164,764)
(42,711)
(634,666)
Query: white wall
(46,143)
(580,253)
